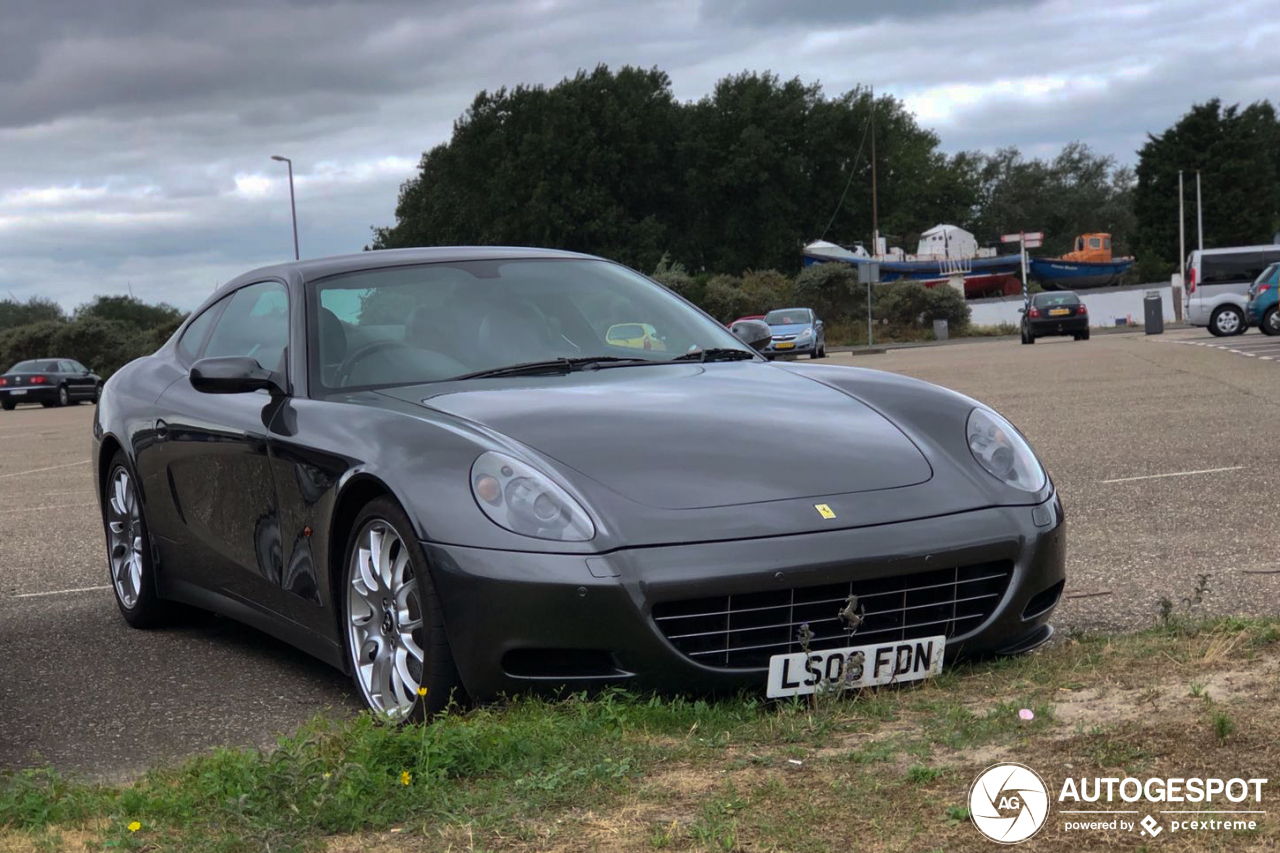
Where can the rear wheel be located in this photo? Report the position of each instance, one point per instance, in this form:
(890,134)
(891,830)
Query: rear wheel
(1271,321)
(1226,321)
(129,549)
(1028,337)
(64,398)
(7,405)
(395,636)
(1084,336)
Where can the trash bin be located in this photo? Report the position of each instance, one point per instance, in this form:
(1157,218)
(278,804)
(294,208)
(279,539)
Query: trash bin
(939,330)
(1153,308)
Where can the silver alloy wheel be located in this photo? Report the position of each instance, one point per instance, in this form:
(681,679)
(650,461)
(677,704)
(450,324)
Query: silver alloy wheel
(384,620)
(63,397)
(1228,321)
(1272,321)
(124,526)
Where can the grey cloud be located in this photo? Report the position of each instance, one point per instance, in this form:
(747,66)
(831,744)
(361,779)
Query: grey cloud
(844,12)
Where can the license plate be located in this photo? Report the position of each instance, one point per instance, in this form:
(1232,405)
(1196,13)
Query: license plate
(802,673)
(1059,312)
(18,392)
(784,345)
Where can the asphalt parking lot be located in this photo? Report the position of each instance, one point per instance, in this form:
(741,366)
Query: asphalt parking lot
(1159,445)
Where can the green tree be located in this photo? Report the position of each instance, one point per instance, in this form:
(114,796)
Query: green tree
(1237,153)
(832,290)
(130,311)
(35,310)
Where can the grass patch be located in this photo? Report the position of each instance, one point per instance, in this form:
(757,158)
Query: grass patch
(621,771)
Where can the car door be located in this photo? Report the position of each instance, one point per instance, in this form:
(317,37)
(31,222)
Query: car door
(225,534)
(73,376)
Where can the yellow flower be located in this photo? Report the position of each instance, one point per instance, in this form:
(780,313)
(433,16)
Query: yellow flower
(405,777)
(135,826)
(422,691)
(327,775)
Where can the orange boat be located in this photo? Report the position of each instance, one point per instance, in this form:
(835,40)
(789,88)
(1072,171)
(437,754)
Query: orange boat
(1090,265)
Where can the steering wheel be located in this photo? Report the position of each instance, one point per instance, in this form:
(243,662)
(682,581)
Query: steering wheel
(359,353)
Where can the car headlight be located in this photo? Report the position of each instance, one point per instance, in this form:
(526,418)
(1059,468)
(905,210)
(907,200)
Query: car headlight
(1003,452)
(525,501)
(806,334)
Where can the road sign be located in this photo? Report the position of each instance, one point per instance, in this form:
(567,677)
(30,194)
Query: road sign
(1028,237)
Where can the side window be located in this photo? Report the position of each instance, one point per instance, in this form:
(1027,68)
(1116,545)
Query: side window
(1095,243)
(193,338)
(255,324)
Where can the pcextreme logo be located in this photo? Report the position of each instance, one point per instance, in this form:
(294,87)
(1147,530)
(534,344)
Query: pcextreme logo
(1008,803)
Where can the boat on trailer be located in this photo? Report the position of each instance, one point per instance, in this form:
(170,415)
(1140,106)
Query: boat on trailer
(944,252)
(1090,265)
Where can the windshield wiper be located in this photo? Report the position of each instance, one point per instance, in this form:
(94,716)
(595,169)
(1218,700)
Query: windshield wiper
(554,366)
(716,354)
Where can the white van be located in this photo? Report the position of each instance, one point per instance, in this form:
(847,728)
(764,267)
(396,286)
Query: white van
(1218,283)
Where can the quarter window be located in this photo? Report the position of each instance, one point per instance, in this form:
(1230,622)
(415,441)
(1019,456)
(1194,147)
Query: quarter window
(255,325)
(193,338)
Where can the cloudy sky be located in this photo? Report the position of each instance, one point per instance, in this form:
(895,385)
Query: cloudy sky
(135,135)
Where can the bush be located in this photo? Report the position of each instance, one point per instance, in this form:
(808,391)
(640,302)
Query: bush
(33,340)
(831,290)
(724,299)
(765,290)
(901,302)
(911,304)
(103,346)
(673,275)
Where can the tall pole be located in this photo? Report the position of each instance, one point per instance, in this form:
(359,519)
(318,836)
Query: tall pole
(875,216)
(293,207)
(1182,231)
(1199,214)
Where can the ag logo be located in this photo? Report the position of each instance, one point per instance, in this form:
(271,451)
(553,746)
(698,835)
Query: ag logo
(1008,803)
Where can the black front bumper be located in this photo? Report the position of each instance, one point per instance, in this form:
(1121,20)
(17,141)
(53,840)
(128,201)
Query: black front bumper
(517,621)
(34,394)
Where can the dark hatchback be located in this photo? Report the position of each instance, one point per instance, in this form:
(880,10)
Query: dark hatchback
(1056,312)
(50,382)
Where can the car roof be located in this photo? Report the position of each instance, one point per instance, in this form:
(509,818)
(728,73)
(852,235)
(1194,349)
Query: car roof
(314,268)
(1274,247)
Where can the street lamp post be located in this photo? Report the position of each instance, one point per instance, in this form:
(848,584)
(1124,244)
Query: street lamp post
(293,208)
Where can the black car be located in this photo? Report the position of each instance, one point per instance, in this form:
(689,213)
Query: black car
(1054,312)
(48,381)
(430,468)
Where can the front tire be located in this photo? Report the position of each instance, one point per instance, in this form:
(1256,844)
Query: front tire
(394,635)
(1270,324)
(1226,321)
(129,549)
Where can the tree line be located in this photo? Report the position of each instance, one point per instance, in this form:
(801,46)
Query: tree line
(610,163)
(103,334)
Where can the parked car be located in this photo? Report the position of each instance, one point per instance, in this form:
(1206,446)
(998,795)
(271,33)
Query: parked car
(796,331)
(482,495)
(1261,308)
(635,336)
(1217,291)
(49,382)
(1054,312)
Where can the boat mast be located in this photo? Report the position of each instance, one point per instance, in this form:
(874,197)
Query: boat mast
(875,221)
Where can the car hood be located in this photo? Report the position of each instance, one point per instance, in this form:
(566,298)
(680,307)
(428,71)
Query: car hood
(692,436)
(794,329)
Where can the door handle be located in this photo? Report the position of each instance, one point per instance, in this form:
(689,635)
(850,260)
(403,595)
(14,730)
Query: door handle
(162,430)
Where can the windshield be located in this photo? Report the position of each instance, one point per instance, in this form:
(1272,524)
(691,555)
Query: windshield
(433,322)
(787,317)
(1051,300)
(1268,275)
(35,367)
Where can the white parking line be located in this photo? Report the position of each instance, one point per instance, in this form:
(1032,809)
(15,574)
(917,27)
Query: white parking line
(1174,474)
(62,591)
(50,468)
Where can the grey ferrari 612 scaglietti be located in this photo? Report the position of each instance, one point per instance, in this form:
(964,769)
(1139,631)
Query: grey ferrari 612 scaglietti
(432,469)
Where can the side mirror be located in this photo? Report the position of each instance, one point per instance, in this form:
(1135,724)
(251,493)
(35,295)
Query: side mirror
(234,375)
(754,333)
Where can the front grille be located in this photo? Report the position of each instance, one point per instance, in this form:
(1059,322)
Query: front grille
(744,630)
